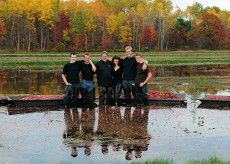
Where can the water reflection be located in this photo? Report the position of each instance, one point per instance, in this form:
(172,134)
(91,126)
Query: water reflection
(107,126)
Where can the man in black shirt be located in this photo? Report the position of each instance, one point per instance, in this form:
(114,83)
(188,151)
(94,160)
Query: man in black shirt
(129,67)
(142,77)
(87,85)
(104,79)
(70,76)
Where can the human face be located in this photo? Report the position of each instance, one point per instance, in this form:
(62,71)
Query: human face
(86,58)
(73,58)
(139,59)
(128,52)
(104,57)
(116,61)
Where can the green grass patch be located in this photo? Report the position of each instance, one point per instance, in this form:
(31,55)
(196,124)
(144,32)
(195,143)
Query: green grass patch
(211,160)
(52,60)
(155,161)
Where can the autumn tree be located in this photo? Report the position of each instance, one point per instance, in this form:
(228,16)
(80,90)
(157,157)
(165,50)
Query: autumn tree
(212,32)
(2,31)
(149,38)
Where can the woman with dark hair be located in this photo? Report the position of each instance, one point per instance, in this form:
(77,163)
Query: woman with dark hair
(117,77)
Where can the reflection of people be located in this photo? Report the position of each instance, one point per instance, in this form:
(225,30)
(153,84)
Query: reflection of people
(72,122)
(104,149)
(117,78)
(104,79)
(134,130)
(142,77)
(87,123)
(129,155)
(87,84)
(70,76)
(74,152)
(87,150)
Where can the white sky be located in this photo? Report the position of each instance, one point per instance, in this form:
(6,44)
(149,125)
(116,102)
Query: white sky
(222,4)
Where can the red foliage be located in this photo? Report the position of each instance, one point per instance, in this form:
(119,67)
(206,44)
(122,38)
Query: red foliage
(2,30)
(43,97)
(227,39)
(153,94)
(61,25)
(106,42)
(211,32)
(2,76)
(211,97)
(79,42)
(149,37)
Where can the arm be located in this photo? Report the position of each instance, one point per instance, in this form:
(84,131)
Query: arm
(93,66)
(147,79)
(145,65)
(65,80)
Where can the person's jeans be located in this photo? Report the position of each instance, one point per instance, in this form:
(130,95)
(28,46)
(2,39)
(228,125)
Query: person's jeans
(129,87)
(88,93)
(142,94)
(71,94)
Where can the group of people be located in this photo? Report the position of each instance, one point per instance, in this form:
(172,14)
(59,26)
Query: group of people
(130,73)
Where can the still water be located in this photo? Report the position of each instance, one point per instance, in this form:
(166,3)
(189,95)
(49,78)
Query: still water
(210,79)
(113,135)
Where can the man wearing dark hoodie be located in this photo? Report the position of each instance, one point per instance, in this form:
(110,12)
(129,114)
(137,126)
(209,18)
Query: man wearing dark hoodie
(104,70)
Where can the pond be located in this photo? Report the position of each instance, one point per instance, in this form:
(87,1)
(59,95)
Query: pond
(113,135)
(116,134)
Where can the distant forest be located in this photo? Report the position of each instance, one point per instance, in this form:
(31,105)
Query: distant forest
(77,25)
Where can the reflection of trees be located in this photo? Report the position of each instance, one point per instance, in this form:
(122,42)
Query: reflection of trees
(128,133)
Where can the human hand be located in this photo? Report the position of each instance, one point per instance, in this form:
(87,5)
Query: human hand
(142,84)
(68,83)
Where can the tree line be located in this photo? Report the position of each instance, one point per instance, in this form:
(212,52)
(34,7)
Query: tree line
(78,25)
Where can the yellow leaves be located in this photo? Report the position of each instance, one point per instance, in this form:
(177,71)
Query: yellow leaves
(162,7)
(46,12)
(66,36)
(125,34)
(90,24)
(112,24)
(115,21)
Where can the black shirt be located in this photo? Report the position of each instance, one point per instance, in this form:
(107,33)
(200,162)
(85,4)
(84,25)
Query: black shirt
(86,71)
(141,74)
(117,76)
(129,67)
(104,73)
(71,71)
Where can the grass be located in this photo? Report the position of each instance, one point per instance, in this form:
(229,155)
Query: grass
(211,160)
(1,145)
(52,60)
(156,161)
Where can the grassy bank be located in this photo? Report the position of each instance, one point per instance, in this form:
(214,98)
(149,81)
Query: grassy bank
(53,60)
(211,160)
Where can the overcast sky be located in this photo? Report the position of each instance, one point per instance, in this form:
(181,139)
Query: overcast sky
(222,4)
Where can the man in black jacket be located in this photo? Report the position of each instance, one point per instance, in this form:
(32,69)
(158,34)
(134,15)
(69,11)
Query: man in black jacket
(104,79)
